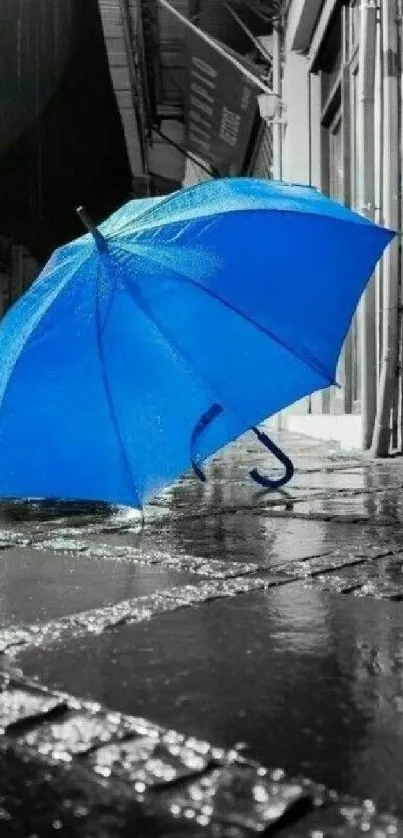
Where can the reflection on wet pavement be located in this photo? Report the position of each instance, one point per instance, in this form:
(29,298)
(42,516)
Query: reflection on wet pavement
(37,586)
(234,615)
(153,780)
(307,680)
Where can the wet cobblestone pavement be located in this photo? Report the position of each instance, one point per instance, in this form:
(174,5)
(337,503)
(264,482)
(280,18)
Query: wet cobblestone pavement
(232,667)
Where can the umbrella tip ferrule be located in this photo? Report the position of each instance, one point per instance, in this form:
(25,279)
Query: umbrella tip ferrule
(90,225)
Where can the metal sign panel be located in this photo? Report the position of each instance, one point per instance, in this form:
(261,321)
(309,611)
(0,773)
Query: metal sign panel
(221,107)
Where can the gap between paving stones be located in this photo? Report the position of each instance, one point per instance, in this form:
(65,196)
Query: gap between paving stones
(95,621)
(214,568)
(176,782)
(14,639)
(189,797)
(76,548)
(271,511)
(322,572)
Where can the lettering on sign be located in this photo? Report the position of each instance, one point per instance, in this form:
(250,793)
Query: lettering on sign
(202,90)
(221,108)
(207,109)
(204,68)
(246,95)
(230,125)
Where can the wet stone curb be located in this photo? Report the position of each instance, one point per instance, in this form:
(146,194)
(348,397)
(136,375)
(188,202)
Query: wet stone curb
(65,544)
(365,571)
(69,767)
(14,639)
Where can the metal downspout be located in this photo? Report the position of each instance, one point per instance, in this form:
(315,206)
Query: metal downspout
(366,205)
(389,361)
(278,125)
(135,95)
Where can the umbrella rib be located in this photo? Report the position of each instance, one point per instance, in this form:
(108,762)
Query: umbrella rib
(139,302)
(313,365)
(180,355)
(109,397)
(359,221)
(169,199)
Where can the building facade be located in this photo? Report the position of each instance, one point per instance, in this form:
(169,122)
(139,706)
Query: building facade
(188,80)
(146,52)
(61,138)
(341,96)
(335,70)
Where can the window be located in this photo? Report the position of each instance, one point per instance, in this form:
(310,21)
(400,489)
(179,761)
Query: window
(338,84)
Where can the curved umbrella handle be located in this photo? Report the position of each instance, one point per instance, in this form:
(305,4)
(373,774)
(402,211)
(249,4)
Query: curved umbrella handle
(201,426)
(266,482)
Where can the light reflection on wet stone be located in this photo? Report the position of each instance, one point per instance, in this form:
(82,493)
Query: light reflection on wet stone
(8,538)
(147,762)
(79,733)
(347,819)
(20,705)
(379,578)
(98,620)
(238,794)
(200,566)
(232,532)
(318,564)
(192,594)
(334,582)
(195,782)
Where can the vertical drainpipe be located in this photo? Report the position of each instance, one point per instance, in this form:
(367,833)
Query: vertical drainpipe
(277,127)
(389,360)
(399,150)
(366,205)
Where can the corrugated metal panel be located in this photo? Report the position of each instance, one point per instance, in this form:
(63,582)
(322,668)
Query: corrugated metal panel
(122,74)
(121,30)
(262,165)
(172,37)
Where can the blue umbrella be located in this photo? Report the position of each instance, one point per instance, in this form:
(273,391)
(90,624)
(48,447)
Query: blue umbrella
(148,344)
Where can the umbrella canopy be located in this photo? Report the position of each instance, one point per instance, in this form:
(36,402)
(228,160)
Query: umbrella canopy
(183,322)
